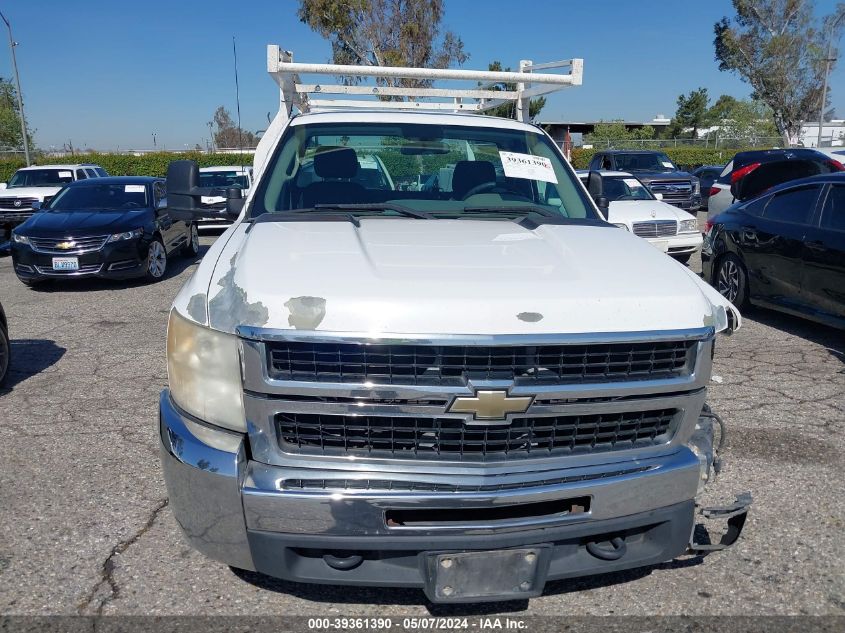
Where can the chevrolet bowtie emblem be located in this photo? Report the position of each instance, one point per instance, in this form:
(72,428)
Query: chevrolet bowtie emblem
(490,405)
(65,245)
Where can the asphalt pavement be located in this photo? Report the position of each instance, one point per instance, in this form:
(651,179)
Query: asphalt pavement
(85,527)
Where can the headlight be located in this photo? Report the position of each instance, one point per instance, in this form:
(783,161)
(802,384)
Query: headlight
(20,239)
(621,226)
(688,226)
(204,372)
(128,235)
(696,187)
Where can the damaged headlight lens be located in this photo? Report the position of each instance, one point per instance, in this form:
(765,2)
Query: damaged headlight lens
(688,226)
(204,372)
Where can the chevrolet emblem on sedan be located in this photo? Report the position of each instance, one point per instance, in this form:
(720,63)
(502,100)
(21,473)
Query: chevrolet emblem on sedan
(490,405)
(65,245)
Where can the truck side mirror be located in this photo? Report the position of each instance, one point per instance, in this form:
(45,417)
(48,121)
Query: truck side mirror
(184,195)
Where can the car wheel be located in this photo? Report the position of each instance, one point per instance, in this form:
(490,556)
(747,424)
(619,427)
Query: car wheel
(732,280)
(156,260)
(5,354)
(192,246)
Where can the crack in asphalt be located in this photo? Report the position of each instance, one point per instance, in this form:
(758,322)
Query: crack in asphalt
(108,567)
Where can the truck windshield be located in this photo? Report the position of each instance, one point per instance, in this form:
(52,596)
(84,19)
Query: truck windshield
(41,178)
(441,171)
(644,162)
(100,197)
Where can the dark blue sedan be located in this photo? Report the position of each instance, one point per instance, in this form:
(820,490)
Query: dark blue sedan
(116,228)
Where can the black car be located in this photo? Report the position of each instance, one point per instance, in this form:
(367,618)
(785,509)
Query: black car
(749,174)
(707,175)
(5,348)
(655,170)
(116,227)
(784,249)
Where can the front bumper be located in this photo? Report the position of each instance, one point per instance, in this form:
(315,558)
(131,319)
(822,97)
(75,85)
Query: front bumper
(240,512)
(117,260)
(680,244)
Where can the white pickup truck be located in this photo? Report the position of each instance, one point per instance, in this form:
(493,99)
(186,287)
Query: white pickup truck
(464,390)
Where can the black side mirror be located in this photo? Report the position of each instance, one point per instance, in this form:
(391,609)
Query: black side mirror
(603,204)
(184,195)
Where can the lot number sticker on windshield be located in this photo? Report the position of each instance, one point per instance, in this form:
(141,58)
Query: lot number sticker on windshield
(65,174)
(633,183)
(527,166)
(133,189)
(666,163)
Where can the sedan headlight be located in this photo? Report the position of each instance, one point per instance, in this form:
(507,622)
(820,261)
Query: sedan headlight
(688,226)
(621,226)
(128,235)
(204,372)
(20,239)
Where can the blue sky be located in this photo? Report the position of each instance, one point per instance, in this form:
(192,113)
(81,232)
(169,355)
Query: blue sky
(107,74)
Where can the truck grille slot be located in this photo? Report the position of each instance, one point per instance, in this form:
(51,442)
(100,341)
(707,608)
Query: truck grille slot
(657,228)
(672,190)
(454,439)
(467,516)
(439,365)
(395,485)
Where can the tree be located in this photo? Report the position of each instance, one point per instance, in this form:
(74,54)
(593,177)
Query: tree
(10,122)
(508,110)
(385,33)
(606,133)
(228,134)
(745,123)
(691,114)
(776,47)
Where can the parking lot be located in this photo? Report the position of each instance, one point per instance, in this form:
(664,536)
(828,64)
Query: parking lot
(86,528)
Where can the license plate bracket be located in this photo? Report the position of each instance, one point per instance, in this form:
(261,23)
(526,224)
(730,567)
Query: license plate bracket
(65,263)
(483,576)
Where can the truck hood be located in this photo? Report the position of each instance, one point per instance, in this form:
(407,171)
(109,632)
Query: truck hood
(655,176)
(29,192)
(404,276)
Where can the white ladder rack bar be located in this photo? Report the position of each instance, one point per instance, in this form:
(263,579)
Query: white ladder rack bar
(529,83)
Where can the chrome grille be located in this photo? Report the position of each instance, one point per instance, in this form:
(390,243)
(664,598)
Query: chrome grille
(9,203)
(398,485)
(449,438)
(656,228)
(76,245)
(672,189)
(443,365)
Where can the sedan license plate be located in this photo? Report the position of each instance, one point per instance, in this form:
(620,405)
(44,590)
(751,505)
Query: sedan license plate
(65,263)
(489,575)
(662,245)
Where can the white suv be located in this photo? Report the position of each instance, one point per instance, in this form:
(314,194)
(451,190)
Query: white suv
(39,183)
(470,390)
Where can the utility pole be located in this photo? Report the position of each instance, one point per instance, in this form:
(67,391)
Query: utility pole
(828,60)
(12,44)
(210,125)
(154,140)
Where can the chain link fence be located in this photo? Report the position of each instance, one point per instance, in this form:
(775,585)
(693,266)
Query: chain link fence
(710,143)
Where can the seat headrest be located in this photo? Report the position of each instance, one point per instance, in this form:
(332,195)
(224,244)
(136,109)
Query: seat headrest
(471,173)
(336,162)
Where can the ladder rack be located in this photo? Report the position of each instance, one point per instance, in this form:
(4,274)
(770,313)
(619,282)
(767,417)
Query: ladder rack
(307,97)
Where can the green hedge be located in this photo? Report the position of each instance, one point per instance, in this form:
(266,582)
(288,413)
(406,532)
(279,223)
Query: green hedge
(685,157)
(127,165)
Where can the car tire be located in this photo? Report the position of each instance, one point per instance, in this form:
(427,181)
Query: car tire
(5,355)
(731,280)
(682,258)
(156,261)
(192,246)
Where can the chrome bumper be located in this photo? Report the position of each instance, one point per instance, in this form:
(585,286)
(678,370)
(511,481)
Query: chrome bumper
(233,509)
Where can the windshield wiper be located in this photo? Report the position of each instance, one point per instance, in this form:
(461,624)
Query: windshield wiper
(525,209)
(401,209)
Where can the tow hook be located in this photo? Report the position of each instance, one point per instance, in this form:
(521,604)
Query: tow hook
(735,514)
